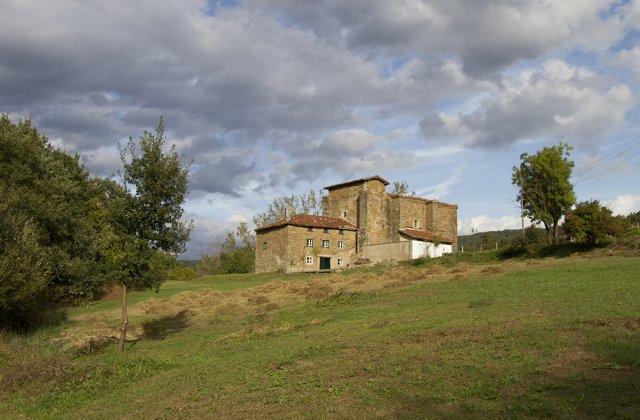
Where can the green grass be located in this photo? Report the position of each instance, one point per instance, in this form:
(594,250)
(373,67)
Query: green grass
(560,340)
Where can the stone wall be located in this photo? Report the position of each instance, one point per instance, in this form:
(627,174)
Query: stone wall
(445,217)
(377,226)
(365,205)
(342,200)
(393,251)
(297,249)
(273,257)
(411,210)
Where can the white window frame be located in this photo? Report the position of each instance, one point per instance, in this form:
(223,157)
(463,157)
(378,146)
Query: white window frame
(326,243)
(309,260)
(340,244)
(310,243)
(340,262)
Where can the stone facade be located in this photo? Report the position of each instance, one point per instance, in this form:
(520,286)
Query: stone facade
(297,249)
(371,216)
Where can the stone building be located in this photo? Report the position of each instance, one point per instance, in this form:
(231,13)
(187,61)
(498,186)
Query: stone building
(360,222)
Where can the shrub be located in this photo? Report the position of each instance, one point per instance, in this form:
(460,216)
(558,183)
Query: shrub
(182,274)
(591,223)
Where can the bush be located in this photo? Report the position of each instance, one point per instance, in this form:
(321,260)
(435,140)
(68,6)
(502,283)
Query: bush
(182,274)
(533,241)
(592,223)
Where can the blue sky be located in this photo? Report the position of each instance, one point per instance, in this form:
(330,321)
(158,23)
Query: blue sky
(274,97)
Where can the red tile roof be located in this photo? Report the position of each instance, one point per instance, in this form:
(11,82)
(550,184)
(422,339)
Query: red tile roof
(357,181)
(312,221)
(423,235)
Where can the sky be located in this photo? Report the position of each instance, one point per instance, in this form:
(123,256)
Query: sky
(277,97)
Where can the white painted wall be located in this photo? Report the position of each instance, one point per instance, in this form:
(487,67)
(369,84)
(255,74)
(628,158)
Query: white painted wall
(427,249)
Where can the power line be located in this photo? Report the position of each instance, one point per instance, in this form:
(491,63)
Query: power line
(604,160)
(606,169)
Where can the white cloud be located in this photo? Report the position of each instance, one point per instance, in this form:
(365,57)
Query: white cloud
(624,204)
(555,100)
(485,223)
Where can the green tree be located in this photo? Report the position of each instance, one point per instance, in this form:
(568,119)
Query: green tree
(544,187)
(591,222)
(150,231)
(50,210)
(634,219)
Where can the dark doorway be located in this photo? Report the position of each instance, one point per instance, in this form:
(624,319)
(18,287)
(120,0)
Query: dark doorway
(325,263)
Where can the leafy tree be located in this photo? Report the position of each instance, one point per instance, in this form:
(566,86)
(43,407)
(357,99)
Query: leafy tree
(229,258)
(282,208)
(634,219)
(149,231)
(402,188)
(25,269)
(591,222)
(246,236)
(51,210)
(544,186)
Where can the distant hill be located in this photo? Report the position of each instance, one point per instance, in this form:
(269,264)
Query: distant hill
(488,239)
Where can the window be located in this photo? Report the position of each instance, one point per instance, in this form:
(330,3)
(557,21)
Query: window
(309,229)
(309,242)
(339,261)
(264,246)
(309,260)
(325,243)
(325,230)
(340,244)
(344,214)
(415,223)
(341,231)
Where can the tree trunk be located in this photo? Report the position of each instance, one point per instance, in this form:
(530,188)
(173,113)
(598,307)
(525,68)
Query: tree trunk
(125,320)
(549,233)
(555,233)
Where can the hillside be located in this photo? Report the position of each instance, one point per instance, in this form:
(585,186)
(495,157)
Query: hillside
(556,337)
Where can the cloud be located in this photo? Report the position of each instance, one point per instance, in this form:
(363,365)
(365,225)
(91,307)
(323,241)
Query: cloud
(555,100)
(224,82)
(630,59)
(486,36)
(624,204)
(485,223)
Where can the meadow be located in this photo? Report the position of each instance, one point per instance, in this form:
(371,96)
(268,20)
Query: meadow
(544,338)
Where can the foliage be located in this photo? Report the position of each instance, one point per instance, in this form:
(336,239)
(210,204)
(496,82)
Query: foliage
(402,188)
(157,183)
(149,230)
(282,208)
(591,223)
(25,270)
(529,244)
(634,219)
(229,258)
(52,217)
(544,186)
(182,274)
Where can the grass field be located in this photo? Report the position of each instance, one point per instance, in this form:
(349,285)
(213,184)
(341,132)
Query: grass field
(539,338)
